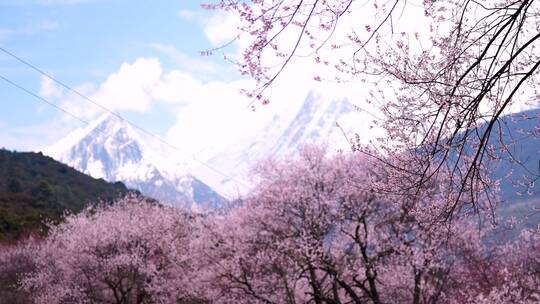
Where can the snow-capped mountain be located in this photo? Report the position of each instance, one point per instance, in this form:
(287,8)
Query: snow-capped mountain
(315,121)
(111,149)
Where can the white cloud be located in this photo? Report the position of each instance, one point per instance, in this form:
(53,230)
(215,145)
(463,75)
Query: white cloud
(49,89)
(77,105)
(185,62)
(187,15)
(177,87)
(130,88)
(221,28)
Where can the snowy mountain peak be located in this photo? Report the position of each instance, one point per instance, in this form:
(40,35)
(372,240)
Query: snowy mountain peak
(314,123)
(101,149)
(110,148)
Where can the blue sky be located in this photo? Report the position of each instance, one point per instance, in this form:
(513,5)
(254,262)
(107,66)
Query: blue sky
(82,43)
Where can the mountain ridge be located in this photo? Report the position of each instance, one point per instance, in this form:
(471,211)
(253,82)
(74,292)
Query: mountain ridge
(37,188)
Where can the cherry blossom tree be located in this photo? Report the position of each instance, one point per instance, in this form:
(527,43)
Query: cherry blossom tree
(16,261)
(518,270)
(442,73)
(314,230)
(131,252)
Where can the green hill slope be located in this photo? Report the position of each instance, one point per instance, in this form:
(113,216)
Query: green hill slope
(34,188)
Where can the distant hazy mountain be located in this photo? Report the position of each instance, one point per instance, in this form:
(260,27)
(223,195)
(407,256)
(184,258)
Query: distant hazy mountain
(519,169)
(111,149)
(34,188)
(520,166)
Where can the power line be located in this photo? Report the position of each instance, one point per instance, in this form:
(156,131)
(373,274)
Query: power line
(18,86)
(43,99)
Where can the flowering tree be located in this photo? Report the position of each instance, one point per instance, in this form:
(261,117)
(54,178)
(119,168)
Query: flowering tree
(518,270)
(314,230)
(437,71)
(131,252)
(16,261)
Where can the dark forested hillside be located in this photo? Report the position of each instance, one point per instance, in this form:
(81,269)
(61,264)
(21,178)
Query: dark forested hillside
(34,188)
